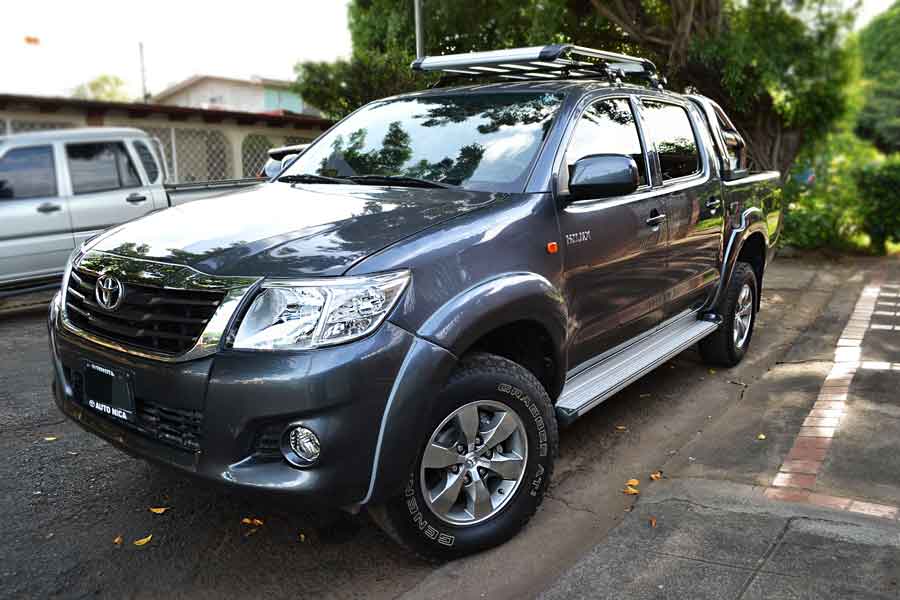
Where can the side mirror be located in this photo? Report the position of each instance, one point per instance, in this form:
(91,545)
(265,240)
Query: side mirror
(272,168)
(603,176)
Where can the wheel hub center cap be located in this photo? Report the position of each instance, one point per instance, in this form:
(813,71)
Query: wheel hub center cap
(470,463)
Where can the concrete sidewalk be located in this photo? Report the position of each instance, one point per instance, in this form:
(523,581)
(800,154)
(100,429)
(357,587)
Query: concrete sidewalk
(727,540)
(809,508)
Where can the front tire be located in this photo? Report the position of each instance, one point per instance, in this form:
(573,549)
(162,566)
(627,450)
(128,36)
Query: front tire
(728,345)
(487,460)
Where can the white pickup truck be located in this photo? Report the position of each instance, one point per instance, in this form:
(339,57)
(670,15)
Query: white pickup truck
(59,188)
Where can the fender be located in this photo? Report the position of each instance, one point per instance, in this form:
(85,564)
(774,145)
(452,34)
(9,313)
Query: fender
(752,221)
(425,367)
(511,297)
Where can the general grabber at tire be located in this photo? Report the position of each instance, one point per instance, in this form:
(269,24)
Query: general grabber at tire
(484,466)
(728,345)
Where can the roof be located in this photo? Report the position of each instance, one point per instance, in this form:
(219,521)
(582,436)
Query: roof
(75,134)
(50,104)
(195,79)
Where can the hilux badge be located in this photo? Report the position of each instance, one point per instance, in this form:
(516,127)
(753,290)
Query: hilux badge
(578,238)
(109,292)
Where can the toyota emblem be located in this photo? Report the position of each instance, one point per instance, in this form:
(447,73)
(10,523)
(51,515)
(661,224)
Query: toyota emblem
(109,292)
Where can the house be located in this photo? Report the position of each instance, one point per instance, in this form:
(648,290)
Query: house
(257,95)
(199,143)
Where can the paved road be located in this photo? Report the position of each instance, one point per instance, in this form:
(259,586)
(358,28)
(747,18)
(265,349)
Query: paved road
(63,502)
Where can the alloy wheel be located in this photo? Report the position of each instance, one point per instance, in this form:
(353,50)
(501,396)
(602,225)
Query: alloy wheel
(474,462)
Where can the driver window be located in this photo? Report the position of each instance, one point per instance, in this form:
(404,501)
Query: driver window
(606,127)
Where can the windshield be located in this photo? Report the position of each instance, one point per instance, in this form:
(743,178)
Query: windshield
(482,141)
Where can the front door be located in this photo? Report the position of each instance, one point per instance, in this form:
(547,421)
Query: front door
(692,199)
(615,248)
(35,232)
(105,186)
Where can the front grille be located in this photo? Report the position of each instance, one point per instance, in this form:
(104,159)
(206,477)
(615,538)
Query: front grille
(162,320)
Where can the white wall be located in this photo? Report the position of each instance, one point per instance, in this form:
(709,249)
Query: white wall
(225,95)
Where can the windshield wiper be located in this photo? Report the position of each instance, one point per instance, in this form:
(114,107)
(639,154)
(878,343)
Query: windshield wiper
(312,178)
(399,180)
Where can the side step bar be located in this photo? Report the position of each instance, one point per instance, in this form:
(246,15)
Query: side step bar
(589,388)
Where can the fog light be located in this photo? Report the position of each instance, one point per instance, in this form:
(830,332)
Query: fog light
(302,446)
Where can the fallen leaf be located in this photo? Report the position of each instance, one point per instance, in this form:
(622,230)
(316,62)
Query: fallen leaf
(656,475)
(634,482)
(630,491)
(160,510)
(118,540)
(254,521)
(50,438)
(250,532)
(761,436)
(302,538)
(246,521)
(621,428)
(143,541)
(653,522)
(712,371)
(257,522)
(645,395)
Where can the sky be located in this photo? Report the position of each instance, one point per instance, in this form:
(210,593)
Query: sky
(81,39)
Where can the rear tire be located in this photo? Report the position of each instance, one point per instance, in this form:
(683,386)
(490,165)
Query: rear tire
(492,414)
(728,345)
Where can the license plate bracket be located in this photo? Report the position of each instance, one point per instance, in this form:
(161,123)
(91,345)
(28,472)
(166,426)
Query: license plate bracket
(108,391)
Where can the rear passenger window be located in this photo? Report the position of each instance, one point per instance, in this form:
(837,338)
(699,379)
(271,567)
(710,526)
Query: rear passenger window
(100,167)
(675,142)
(148,160)
(27,173)
(607,127)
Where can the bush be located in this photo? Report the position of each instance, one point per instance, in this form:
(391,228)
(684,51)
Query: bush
(826,212)
(879,208)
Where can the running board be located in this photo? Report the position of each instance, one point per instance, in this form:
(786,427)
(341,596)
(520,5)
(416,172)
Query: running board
(589,388)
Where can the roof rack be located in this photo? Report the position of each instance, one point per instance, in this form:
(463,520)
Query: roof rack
(556,61)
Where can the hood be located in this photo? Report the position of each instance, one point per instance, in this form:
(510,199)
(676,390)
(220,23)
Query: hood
(283,230)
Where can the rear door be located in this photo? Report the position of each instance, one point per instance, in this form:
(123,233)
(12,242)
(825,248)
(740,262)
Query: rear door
(152,173)
(692,199)
(106,188)
(35,232)
(615,248)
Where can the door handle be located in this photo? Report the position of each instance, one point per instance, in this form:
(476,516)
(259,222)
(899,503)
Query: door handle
(136,198)
(48,207)
(656,220)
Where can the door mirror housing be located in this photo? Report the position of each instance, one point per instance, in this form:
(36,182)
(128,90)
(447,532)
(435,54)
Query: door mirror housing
(603,176)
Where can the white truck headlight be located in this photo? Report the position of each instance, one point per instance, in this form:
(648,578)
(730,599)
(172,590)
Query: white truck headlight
(295,315)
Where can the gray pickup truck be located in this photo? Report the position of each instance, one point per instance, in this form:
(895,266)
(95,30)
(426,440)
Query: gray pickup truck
(405,316)
(59,188)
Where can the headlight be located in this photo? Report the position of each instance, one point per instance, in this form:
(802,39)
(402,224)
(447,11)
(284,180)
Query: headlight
(307,314)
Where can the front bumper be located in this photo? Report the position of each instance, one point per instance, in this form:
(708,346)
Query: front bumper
(242,399)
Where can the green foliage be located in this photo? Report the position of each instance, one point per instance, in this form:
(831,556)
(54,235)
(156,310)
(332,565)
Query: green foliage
(105,87)
(879,204)
(827,213)
(879,43)
(778,67)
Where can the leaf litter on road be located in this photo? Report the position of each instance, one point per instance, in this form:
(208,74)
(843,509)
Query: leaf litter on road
(158,510)
(143,541)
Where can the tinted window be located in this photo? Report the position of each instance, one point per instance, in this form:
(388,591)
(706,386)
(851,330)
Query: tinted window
(100,167)
(607,127)
(148,160)
(675,142)
(27,173)
(482,141)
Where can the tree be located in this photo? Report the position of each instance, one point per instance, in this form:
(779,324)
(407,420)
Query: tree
(779,68)
(879,43)
(105,87)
